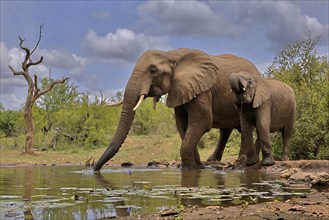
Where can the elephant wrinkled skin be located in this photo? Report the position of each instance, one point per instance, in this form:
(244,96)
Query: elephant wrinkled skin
(198,89)
(267,104)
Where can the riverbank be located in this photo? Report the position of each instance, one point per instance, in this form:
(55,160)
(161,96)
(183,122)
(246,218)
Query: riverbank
(314,205)
(136,149)
(140,150)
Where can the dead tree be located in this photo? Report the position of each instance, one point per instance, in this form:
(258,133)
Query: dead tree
(33,92)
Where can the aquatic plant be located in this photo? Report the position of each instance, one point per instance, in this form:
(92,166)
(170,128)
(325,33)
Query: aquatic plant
(131,179)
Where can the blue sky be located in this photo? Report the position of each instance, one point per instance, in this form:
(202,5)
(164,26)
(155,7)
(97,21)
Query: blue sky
(97,43)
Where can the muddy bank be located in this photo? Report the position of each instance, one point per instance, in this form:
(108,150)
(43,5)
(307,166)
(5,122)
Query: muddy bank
(314,205)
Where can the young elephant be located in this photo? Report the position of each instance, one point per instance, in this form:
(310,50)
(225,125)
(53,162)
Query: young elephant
(269,105)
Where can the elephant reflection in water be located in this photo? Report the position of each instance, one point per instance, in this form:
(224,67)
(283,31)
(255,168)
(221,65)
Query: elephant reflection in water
(239,181)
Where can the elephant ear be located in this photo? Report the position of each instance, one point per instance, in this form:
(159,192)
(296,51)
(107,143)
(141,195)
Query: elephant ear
(262,94)
(193,74)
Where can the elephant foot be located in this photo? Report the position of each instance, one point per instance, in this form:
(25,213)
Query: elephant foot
(213,158)
(251,161)
(200,166)
(238,163)
(268,161)
(284,158)
(242,158)
(189,166)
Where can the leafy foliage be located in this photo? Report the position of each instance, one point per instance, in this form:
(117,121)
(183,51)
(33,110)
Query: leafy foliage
(66,119)
(150,121)
(307,73)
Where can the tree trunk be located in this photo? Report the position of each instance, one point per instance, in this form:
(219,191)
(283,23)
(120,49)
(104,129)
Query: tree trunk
(30,130)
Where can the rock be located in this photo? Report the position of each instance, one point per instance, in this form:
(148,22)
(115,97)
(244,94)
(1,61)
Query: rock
(288,172)
(127,164)
(153,164)
(169,212)
(321,179)
(162,164)
(313,178)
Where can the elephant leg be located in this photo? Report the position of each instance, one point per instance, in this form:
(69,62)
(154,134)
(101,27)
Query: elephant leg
(247,141)
(286,138)
(258,145)
(199,122)
(181,121)
(189,153)
(197,159)
(224,134)
(263,131)
(181,124)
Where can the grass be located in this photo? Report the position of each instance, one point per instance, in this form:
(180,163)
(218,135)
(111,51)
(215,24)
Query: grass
(136,149)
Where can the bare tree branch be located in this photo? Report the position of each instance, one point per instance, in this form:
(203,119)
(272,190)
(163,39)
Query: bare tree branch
(40,30)
(35,82)
(27,51)
(16,73)
(31,63)
(50,87)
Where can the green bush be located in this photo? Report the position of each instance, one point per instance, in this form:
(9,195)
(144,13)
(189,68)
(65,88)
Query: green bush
(307,73)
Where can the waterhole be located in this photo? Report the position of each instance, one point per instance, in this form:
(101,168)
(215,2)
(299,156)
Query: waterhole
(74,192)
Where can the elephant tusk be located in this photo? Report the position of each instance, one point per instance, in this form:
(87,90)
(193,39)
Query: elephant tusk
(141,98)
(115,104)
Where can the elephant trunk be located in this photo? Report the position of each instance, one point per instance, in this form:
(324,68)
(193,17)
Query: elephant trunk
(137,86)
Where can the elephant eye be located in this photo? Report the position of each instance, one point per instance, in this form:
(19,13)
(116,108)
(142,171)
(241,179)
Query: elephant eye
(239,92)
(153,69)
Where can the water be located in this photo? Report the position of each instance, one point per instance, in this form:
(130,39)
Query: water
(73,192)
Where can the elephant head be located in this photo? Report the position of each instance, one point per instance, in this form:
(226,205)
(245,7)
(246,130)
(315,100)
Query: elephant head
(181,73)
(249,89)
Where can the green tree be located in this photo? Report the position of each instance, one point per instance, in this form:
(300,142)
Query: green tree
(11,123)
(149,121)
(299,65)
(60,97)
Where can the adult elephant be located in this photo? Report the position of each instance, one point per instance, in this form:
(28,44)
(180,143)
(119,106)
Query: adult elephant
(198,89)
(267,104)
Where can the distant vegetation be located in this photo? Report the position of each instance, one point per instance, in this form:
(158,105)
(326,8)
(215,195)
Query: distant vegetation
(307,73)
(66,119)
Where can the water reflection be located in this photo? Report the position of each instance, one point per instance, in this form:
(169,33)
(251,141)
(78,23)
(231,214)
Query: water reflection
(190,178)
(28,186)
(71,192)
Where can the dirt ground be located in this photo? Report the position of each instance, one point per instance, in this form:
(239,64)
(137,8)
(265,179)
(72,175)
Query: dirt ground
(314,205)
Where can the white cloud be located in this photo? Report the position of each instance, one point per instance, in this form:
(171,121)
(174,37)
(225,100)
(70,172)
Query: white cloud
(281,21)
(13,58)
(63,59)
(16,85)
(186,18)
(124,44)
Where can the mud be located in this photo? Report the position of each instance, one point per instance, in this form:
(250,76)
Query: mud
(314,205)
